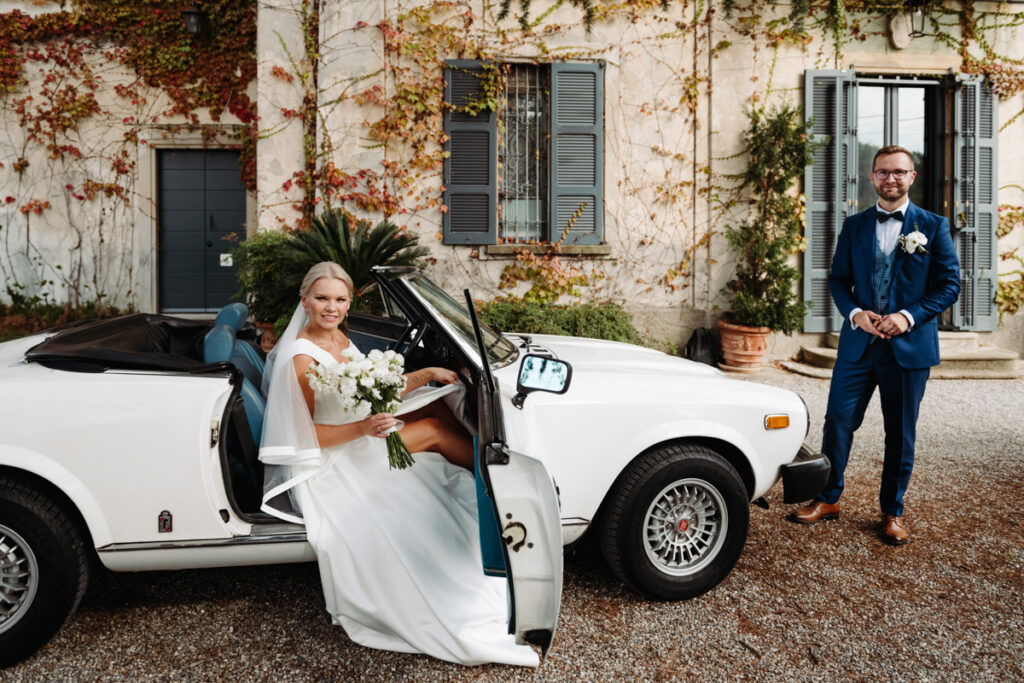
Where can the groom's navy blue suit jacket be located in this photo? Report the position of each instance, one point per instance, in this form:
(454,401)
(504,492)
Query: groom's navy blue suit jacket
(923,284)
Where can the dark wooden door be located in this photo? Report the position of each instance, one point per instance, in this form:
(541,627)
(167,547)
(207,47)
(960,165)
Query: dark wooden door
(201,218)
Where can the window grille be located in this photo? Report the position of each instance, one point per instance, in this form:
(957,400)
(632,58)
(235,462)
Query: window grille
(523,155)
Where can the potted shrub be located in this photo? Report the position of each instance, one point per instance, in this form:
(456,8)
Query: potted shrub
(763,289)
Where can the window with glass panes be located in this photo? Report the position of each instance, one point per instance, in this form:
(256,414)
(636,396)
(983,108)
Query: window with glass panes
(533,170)
(523,155)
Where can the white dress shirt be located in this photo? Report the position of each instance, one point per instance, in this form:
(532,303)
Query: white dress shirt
(888,234)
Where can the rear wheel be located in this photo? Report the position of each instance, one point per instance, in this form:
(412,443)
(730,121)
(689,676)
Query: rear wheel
(44,569)
(676,522)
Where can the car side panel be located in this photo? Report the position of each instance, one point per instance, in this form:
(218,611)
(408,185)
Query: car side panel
(34,462)
(129,445)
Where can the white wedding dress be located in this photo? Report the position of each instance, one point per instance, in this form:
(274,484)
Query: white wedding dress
(399,550)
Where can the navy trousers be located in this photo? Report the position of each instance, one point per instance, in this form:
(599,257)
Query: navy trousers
(901,391)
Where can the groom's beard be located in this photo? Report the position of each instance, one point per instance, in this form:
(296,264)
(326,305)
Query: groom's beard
(891,194)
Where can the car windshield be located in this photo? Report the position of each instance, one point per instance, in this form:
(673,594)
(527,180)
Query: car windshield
(499,349)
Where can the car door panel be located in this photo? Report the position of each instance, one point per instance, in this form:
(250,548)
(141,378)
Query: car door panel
(526,507)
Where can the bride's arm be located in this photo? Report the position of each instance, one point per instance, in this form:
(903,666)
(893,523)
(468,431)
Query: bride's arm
(419,378)
(332,435)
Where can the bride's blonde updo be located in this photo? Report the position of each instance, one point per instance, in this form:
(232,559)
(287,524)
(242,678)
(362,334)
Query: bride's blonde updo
(326,269)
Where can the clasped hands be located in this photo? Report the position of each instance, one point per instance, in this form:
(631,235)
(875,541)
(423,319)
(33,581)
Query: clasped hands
(884,326)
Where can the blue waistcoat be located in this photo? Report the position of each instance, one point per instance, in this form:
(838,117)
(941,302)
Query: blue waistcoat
(881,276)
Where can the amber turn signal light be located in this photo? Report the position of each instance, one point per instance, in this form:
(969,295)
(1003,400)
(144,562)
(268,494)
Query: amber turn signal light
(776,421)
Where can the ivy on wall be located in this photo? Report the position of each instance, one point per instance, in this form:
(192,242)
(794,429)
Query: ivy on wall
(172,76)
(1010,292)
(71,76)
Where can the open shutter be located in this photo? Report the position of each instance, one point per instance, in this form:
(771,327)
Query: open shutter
(577,153)
(987,211)
(976,205)
(976,208)
(830,185)
(470,170)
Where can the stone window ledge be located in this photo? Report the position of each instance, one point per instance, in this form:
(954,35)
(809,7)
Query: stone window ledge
(509,250)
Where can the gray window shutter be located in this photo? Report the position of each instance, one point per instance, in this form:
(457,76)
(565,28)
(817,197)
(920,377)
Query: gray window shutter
(577,153)
(976,207)
(830,185)
(470,170)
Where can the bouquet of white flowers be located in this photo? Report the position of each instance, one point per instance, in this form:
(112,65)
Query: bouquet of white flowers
(367,385)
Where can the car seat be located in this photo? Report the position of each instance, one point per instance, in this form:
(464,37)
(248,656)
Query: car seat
(235,316)
(219,346)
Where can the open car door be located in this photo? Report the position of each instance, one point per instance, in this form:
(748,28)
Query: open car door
(520,528)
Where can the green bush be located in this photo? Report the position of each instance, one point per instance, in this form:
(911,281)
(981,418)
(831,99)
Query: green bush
(593,320)
(780,147)
(261,276)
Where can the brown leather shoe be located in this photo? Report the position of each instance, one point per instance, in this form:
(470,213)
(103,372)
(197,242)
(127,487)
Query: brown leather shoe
(893,531)
(816,512)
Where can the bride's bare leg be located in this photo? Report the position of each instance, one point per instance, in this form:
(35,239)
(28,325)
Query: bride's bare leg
(437,409)
(434,434)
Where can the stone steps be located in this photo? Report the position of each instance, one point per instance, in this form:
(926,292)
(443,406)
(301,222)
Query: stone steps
(948,341)
(962,358)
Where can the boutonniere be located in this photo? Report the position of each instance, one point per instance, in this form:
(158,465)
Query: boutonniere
(913,242)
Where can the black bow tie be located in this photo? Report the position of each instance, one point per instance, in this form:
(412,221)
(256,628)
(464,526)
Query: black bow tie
(895,216)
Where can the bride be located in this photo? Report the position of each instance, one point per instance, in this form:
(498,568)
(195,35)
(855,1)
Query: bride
(398,549)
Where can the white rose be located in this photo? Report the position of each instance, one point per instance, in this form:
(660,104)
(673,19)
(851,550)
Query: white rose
(915,241)
(362,409)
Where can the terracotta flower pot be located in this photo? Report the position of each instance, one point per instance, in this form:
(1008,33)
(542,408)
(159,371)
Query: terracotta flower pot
(743,347)
(268,339)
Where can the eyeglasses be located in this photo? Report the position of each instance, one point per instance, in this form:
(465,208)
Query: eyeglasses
(898,174)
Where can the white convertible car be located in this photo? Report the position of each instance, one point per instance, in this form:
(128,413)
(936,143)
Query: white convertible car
(134,440)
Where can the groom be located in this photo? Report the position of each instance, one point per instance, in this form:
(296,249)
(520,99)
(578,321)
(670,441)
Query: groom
(895,269)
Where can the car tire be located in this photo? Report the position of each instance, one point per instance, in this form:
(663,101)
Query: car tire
(44,569)
(675,522)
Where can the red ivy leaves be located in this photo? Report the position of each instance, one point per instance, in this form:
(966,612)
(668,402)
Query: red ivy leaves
(36,206)
(282,74)
(211,71)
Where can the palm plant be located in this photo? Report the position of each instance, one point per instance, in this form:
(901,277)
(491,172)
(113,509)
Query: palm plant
(356,248)
(271,265)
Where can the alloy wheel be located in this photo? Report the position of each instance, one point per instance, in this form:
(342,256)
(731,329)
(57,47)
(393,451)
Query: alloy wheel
(685,526)
(19,577)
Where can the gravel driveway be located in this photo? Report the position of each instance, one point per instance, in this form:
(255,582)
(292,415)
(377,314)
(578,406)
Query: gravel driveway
(803,603)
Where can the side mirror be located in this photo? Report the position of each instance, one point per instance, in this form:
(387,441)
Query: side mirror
(539,373)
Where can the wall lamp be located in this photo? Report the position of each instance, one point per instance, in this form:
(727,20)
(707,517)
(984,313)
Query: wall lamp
(917,25)
(193,20)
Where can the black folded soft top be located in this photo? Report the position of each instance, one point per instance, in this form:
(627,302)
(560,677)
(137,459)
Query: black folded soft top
(141,341)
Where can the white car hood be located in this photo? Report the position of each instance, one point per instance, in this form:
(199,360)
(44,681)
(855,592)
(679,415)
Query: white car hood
(609,356)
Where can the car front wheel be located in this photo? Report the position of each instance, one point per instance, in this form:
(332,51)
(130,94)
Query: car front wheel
(676,522)
(44,569)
